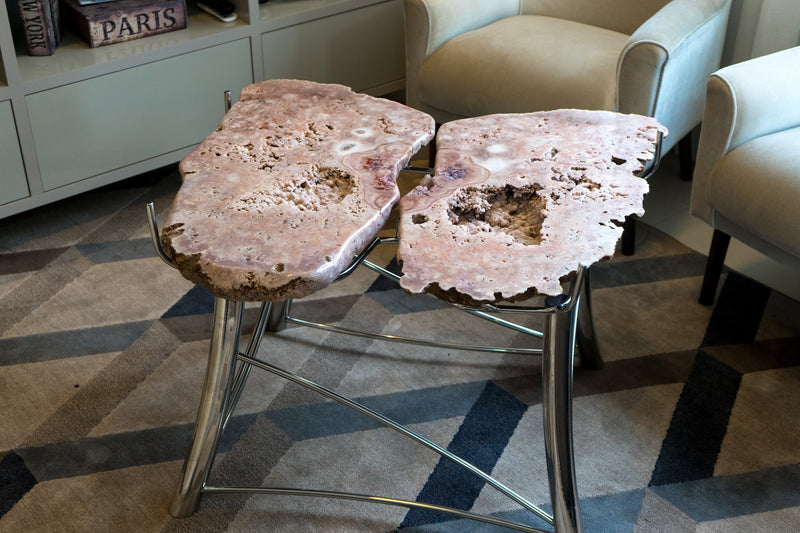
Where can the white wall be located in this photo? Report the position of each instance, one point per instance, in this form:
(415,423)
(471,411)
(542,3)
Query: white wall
(758,27)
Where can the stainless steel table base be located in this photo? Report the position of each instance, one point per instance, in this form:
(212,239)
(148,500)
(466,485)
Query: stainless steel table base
(224,382)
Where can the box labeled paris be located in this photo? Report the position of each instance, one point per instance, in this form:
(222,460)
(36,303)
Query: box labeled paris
(125,20)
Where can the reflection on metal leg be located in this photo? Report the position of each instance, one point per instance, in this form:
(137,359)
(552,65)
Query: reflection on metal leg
(276,320)
(586,341)
(216,389)
(559,355)
(243,371)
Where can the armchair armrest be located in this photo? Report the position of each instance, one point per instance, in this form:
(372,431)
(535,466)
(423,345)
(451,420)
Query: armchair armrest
(430,23)
(744,101)
(677,21)
(664,67)
(764,94)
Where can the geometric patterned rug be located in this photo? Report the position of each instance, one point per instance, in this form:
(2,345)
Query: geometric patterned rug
(693,425)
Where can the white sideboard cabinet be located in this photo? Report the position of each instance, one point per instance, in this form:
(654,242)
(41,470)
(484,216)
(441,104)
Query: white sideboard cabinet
(14,185)
(86,117)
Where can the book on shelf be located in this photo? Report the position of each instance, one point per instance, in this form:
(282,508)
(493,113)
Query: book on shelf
(41,22)
(100,24)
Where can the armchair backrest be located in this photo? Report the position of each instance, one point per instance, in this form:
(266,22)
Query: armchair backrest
(623,16)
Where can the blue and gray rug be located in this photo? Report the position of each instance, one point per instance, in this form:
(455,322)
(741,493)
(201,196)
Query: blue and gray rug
(692,426)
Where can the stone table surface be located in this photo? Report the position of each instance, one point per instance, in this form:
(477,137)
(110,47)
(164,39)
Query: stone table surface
(519,201)
(298,178)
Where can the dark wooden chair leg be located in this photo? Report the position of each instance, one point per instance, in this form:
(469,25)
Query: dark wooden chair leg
(716,260)
(685,157)
(628,244)
(432,151)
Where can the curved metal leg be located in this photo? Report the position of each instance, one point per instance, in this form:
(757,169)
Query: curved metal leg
(243,372)
(559,354)
(588,350)
(210,414)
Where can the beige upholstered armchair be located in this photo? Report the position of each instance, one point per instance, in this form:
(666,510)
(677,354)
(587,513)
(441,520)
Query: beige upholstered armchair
(747,178)
(651,57)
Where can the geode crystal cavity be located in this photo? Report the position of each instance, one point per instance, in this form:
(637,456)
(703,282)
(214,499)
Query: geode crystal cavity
(298,177)
(519,201)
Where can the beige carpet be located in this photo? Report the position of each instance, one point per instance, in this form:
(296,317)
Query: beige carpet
(691,426)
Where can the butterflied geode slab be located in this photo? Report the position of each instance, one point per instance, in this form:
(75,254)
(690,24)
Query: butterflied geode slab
(298,178)
(518,202)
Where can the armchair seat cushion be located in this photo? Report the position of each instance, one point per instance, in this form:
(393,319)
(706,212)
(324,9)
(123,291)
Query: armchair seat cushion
(758,186)
(523,63)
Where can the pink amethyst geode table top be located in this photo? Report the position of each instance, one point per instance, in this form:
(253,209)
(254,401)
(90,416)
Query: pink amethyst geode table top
(298,178)
(519,201)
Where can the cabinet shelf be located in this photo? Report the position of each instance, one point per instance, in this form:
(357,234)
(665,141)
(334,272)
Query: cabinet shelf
(86,117)
(74,59)
(277,14)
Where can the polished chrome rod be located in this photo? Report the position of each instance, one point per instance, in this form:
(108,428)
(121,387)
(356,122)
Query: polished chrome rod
(372,499)
(408,340)
(324,391)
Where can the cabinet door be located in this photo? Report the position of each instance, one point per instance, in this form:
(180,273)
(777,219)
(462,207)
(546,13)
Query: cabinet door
(362,48)
(111,121)
(13,184)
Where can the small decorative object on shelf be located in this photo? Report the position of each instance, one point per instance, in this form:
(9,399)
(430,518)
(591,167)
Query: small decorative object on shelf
(105,23)
(41,20)
(221,9)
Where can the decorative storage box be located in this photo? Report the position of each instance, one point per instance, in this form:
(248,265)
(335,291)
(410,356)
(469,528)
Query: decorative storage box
(125,20)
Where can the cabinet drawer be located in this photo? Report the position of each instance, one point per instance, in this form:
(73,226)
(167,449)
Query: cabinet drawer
(362,48)
(13,184)
(111,121)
